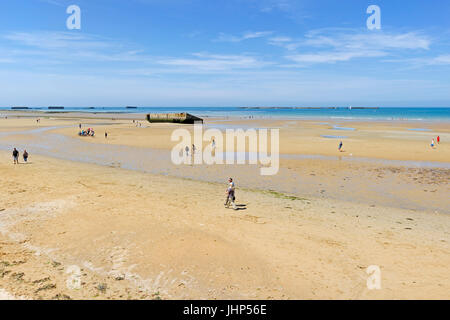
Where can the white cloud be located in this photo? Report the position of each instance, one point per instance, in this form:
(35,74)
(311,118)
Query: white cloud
(204,61)
(69,47)
(89,53)
(442,59)
(332,57)
(53,2)
(331,45)
(372,40)
(6,60)
(279,41)
(270,5)
(245,36)
(56,40)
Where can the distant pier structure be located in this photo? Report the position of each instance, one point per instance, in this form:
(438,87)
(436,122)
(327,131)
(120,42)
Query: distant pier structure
(184,118)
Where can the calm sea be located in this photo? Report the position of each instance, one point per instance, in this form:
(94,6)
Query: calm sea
(412,114)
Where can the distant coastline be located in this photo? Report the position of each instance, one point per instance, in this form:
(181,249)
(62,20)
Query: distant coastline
(261,112)
(311,108)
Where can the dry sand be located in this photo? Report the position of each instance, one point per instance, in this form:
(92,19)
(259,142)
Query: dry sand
(135,235)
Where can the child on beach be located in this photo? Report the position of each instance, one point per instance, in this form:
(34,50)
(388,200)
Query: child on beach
(25,156)
(230,194)
(340,146)
(438,139)
(432,143)
(16,156)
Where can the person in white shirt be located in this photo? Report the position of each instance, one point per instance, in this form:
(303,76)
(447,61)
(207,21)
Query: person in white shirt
(213,147)
(230,194)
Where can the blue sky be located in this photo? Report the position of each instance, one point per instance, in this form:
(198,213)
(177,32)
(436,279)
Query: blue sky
(225,53)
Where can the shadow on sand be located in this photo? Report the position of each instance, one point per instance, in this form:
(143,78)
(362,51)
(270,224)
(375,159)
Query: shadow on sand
(240,207)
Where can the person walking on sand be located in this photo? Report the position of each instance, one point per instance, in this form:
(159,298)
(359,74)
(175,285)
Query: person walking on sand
(438,139)
(16,156)
(213,147)
(106,135)
(340,146)
(230,194)
(25,156)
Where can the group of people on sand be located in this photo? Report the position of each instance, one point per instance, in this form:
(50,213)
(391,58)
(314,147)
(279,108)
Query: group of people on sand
(138,124)
(15,154)
(438,139)
(87,133)
(194,148)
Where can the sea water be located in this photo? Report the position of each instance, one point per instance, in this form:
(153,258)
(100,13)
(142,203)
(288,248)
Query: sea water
(381,114)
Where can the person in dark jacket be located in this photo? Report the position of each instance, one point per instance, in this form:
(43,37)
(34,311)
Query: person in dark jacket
(15,156)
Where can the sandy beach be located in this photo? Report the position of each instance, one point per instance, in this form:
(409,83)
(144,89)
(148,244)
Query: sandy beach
(115,215)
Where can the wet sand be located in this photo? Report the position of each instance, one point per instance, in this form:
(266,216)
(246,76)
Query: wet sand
(409,181)
(378,140)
